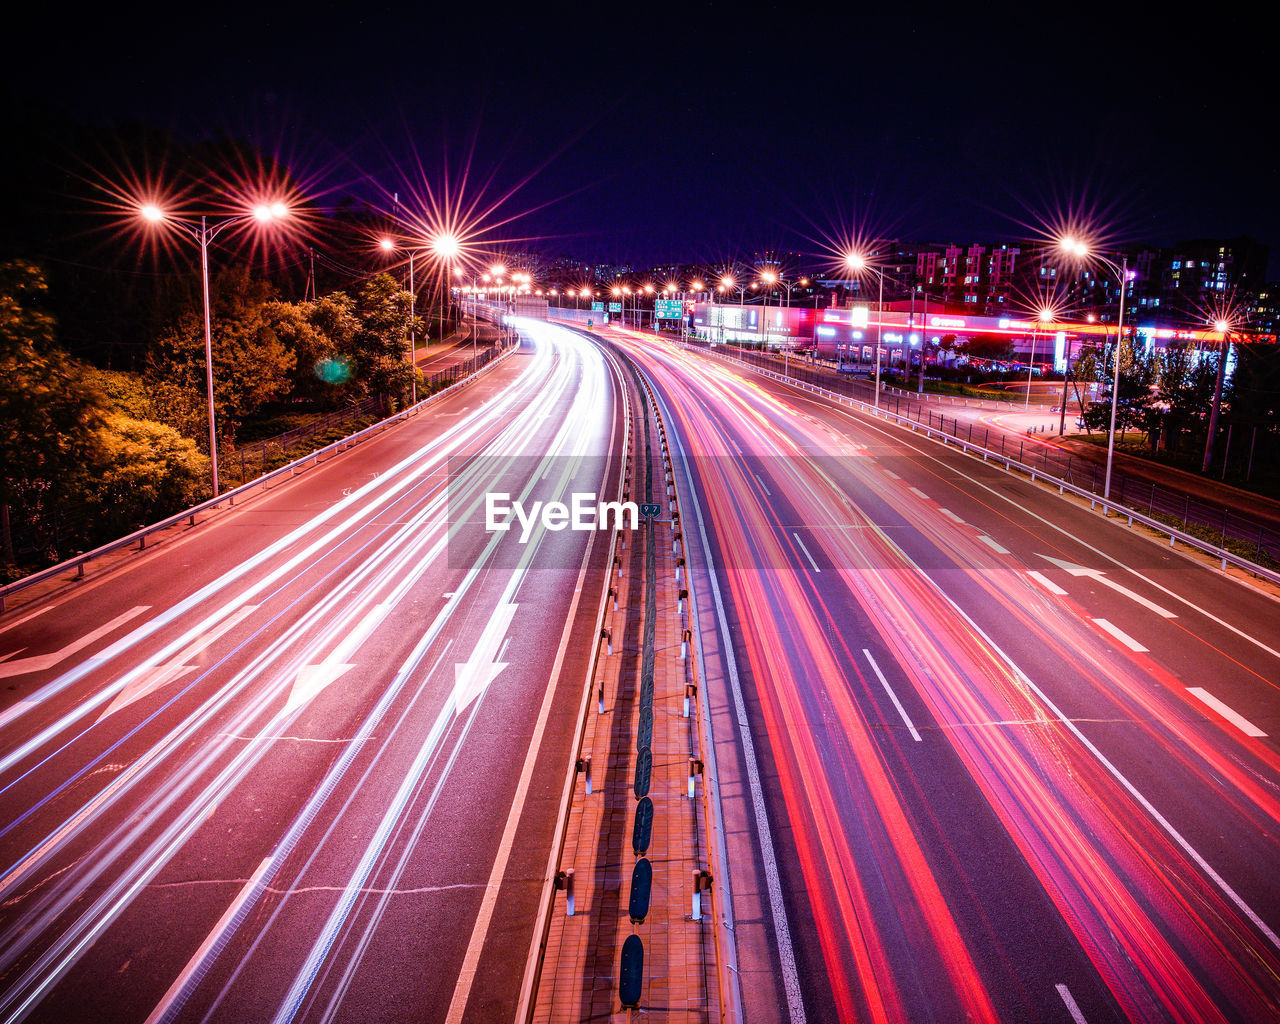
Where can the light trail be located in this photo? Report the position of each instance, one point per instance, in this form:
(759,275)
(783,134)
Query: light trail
(1170,938)
(361,594)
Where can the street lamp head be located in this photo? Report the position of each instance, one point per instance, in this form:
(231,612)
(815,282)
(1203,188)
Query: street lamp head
(1221,326)
(445,246)
(727,280)
(769,276)
(855,261)
(387,245)
(1046,315)
(151,213)
(498,269)
(1074,247)
(266,212)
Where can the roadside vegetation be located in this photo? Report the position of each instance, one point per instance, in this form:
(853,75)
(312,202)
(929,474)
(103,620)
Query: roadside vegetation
(89,454)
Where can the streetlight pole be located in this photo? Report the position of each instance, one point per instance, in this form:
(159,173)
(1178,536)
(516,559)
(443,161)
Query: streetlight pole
(202,235)
(857,263)
(1081,251)
(203,239)
(1224,328)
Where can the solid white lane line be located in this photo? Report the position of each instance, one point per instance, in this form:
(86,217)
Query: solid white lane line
(1239,721)
(892,696)
(1122,636)
(762,484)
(806,552)
(997,548)
(1045,582)
(1072,1008)
(161,1011)
(951,515)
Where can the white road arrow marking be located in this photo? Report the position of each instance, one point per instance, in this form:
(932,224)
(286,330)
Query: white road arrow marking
(1097,574)
(312,680)
(474,676)
(184,662)
(40,662)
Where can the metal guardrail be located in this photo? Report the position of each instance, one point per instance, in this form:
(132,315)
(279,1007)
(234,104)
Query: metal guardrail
(1175,535)
(139,537)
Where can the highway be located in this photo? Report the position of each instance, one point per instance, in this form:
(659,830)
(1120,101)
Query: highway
(305,761)
(983,756)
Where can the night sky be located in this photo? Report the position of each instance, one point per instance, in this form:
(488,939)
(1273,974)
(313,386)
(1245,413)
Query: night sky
(710,132)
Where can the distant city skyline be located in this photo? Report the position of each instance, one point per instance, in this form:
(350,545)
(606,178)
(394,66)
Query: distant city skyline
(699,136)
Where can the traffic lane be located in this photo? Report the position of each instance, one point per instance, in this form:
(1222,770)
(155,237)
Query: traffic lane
(342,554)
(818,717)
(1037,817)
(164,573)
(180,579)
(432,894)
(1201,624)
(830,737)
(491,780)
(1195,784)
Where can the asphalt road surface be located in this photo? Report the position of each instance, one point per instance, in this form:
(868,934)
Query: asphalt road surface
(984,756)
(304,763)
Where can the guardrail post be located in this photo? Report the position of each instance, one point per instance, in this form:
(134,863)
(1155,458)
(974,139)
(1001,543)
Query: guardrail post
(564,880)
(681,597)
(690,691)
(695,769)
(584,766)
(607,636)
(701,883)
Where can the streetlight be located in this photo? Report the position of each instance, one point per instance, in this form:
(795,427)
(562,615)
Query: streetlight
(858,263)
(443,247)
(202,234)
(1080,251)
(1223,327)
(1045,315)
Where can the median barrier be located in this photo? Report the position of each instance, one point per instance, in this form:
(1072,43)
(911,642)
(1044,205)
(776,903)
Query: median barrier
(641,890)
(644,773)
(631,972)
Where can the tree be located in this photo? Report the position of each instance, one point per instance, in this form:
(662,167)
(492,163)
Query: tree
(49,413)
(251,365)
(1137,388)
(1185,385)
(140,472)
(384,316)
